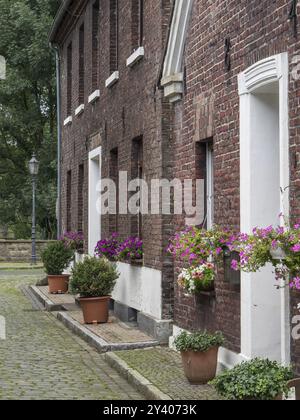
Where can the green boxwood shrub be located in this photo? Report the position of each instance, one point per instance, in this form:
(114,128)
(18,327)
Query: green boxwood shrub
(94,277)
(56,258)
(258,379)
(201,341)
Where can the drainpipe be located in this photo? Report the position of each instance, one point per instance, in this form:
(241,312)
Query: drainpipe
(58,112)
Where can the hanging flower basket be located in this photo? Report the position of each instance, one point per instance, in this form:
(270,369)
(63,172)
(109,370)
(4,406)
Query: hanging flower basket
(199,279)
(278,254)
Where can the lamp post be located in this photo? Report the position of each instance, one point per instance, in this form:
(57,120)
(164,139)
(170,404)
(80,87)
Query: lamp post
(34,170)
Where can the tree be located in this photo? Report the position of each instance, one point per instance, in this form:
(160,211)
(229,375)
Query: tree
(27,115)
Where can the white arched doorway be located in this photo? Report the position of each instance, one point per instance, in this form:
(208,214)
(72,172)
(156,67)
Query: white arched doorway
(264,158)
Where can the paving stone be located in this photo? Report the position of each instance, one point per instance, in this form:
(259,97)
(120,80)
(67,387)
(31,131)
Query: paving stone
(41,359)
(163,368)
(115,332)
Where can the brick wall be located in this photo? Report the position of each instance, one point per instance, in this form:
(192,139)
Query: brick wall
(210,108)
(131,109)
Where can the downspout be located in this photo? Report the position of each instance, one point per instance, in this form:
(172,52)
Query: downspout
(59,138)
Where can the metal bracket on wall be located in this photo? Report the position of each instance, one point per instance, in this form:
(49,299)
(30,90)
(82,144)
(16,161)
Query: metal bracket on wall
(227,54)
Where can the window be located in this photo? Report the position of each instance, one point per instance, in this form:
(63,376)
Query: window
(137,25)
(114,176)
(95,45)
(81,65)
(114,35)
(69,79)
(80,197)
(137,173)
(69,201)
(205,170)
(210,184)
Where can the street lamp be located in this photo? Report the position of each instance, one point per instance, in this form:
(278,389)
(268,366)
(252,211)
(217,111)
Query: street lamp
(34,170)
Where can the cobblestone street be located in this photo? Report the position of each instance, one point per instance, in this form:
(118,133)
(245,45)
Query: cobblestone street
(40,359)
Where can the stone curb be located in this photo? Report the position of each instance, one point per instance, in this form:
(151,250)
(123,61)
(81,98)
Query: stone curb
(94,340)
(80,330)
(139,382)
(48,305)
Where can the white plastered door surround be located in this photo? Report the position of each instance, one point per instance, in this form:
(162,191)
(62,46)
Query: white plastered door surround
(94,195)
(264,171)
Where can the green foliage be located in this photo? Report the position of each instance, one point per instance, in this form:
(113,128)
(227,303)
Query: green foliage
(27,115)
(56,258)
(255,380)
(94,277)
(201,341)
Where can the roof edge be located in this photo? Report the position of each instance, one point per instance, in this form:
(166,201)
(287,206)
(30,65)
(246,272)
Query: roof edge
(57,20)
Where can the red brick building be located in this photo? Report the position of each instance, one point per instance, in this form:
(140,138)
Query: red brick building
(185,89)
(114,118)
(235,90)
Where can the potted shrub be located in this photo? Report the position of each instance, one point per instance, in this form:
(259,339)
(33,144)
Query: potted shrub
(199,352)
(258,379)
(56,258)
(94,280)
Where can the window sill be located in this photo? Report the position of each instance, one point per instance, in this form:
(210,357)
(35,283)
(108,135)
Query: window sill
(68,121)
(79,110)
(112,80)
(136,57)
(94,96)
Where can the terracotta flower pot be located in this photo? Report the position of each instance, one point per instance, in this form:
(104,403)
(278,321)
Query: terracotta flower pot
(58,284)
(95,310)
(200,367)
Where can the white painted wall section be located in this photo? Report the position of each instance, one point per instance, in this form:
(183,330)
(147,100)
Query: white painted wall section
(140,288)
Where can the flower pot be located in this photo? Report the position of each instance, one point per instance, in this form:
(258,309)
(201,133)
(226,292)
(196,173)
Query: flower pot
(58,284)
(95,310)
(200,367)
(208,288)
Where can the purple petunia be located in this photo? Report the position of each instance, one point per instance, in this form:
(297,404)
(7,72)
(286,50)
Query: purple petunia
(108,247)
(73,240)
(235,265)
(296,248)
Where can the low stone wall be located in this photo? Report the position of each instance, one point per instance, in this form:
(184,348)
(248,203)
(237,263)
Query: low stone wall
(19,251)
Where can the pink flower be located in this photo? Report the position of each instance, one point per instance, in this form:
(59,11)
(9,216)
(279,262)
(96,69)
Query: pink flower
(295,284)
(235,265)
(296,248)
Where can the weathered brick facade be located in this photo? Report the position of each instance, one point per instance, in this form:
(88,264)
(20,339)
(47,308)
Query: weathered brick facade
(210,108)
(134,108)
(134,111)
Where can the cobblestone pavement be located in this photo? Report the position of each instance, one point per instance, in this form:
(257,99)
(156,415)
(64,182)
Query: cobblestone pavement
(40,359)
(163,368)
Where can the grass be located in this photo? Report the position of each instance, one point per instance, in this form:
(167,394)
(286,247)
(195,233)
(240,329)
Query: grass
(20,266)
